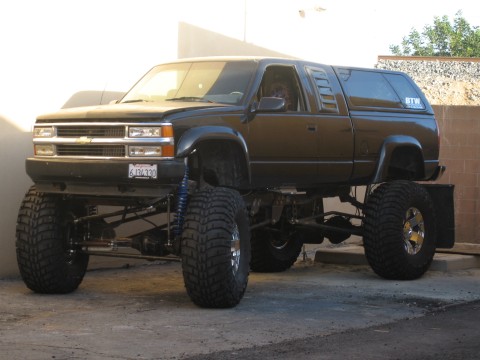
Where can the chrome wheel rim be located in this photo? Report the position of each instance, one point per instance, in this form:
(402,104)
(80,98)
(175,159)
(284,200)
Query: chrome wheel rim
(279,243)
(235,249)
(413,231)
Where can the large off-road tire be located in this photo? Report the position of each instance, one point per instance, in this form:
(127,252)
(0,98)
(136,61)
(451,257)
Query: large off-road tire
(274,250)
(47,263)
(216,248)
(400,230)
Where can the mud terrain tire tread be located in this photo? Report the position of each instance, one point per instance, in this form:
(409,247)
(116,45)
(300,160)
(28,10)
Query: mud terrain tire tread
(41,255)
(206,248)
(383,226)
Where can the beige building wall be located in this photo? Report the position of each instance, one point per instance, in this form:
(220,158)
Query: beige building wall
(52,50)
(15,146)
(194,41)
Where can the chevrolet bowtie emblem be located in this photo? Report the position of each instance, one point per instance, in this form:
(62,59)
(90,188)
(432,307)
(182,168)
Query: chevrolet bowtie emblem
(83,140)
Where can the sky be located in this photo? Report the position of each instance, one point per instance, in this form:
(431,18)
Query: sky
(54,48)
(388,22)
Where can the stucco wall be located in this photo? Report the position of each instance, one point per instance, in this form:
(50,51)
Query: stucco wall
(15,146)
(194,41)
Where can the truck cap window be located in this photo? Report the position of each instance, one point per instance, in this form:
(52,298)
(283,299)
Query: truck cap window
(367,88)
(379,89)
(408,95)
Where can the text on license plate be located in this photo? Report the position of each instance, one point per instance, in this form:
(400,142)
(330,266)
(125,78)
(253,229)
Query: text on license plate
(142,171)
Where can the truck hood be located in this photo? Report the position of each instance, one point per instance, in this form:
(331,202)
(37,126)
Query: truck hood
(133,111)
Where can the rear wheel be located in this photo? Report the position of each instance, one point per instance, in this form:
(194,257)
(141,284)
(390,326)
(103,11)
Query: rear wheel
(275,249)
(400,230)
(273,252)
(216,248)
(47,258)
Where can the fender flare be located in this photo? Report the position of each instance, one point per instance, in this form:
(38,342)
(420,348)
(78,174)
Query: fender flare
(386,151)
(192,137)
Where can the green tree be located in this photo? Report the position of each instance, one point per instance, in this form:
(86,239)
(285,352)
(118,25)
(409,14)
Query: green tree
(442,39)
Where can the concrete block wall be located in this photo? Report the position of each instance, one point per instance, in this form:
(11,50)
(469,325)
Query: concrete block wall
(460,152)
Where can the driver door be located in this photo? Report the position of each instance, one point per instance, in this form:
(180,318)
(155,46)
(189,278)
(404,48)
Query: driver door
(283,146)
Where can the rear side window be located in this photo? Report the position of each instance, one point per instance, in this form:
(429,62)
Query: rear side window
(408,95)
(376,89)
(368,88)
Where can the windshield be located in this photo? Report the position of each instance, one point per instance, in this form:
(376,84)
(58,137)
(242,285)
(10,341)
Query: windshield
(213,81)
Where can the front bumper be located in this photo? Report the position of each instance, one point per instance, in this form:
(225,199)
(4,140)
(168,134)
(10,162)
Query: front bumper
(102,177)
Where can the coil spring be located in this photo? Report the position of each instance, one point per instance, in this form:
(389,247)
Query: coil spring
(182,198)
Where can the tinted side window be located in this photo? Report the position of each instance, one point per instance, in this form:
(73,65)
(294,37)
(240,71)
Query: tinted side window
(325,95)
(368,88)
(408,95)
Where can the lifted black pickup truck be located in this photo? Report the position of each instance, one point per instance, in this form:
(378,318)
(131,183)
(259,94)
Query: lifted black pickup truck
(238,154)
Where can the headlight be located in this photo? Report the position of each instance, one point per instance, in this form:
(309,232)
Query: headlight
(144,132)
(43,132)
(44,150)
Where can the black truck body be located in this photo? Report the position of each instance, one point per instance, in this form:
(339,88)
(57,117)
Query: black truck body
(261,141)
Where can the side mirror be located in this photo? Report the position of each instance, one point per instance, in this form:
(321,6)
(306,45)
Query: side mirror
(269,104)
(266,104)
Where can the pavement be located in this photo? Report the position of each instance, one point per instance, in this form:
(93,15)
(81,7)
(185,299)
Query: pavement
(128,309)
(442,261)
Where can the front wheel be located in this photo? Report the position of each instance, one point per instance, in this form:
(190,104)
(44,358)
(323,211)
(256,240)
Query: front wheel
(400,231)
(216,248)
(48,261)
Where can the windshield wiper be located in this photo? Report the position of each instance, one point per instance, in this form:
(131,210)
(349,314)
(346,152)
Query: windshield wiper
(190,98)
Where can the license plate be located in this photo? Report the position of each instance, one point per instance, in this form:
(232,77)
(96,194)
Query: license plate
(142,171)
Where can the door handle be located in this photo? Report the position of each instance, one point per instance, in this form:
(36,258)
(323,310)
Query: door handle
(311,127)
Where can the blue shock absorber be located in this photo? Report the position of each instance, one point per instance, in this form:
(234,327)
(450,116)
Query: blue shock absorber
(182,199)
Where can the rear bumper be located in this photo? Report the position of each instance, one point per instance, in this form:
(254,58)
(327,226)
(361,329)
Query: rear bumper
(443,200)
(102,177)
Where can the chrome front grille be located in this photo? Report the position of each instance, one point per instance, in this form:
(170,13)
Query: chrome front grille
(91,150)
(91,131)
(94,140)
